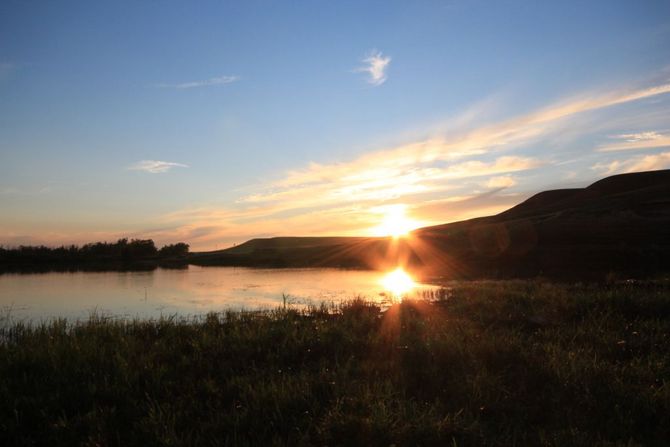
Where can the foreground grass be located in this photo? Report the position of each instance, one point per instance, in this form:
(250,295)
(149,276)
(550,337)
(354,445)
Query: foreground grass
(492,363)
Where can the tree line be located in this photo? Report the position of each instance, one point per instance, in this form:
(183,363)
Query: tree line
(121,251)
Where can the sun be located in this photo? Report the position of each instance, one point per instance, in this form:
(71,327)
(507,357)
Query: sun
(395,222)
(398,282)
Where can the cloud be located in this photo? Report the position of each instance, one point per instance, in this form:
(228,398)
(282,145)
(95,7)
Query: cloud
(220,80)
(469,206)
(346,206)
(505,181)
(436,177)
(634,164)
(155,166)
(486,139)
(650,163)
(375,66)
(641,140)
(364,182)
(337,198)
(503,164)
(640,136)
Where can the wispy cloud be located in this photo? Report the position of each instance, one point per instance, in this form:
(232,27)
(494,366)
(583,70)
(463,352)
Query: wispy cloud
(640,140)
(375,66)
(505,181)
(219,80)
(155,166)
(640,136)
(437,175)
(468,170)
(634,164)
(412,166)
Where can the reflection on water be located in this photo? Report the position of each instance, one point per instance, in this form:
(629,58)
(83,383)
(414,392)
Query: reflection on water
(398,283)
(191,291)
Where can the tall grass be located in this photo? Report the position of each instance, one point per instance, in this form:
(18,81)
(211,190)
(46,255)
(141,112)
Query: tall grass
(482,363)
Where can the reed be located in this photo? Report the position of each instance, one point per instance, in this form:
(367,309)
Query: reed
(479,363)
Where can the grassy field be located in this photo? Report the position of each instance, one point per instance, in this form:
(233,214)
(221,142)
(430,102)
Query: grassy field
(488,363)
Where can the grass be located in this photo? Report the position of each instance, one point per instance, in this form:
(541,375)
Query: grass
(486,363)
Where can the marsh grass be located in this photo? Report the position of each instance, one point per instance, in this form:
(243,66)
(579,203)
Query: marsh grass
(482,363)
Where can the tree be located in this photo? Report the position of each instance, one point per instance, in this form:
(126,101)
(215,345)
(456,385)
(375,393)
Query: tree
(179,249)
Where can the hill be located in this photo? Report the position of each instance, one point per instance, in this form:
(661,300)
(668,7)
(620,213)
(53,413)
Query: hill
(620,225)
(294,252)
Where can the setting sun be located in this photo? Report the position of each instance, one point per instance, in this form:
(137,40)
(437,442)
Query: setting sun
(394,222)
(398,282)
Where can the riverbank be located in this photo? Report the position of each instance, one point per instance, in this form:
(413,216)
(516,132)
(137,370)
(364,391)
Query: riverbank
(488,363)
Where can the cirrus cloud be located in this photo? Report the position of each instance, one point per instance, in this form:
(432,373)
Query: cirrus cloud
(505,181)
(155,166)
(219,80)
(640,140)
(466,171)
(634,164)
(435,177)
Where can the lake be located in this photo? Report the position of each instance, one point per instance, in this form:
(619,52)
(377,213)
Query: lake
(188,292)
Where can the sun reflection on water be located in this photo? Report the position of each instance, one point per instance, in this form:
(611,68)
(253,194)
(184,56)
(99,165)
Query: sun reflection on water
(398,282)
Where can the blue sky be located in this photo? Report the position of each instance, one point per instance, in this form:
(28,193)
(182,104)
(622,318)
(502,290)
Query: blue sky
(214,122)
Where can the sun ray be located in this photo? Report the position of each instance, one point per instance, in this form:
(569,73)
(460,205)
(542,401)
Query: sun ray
(395,222)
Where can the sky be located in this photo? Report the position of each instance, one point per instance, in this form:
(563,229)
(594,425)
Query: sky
(214,122)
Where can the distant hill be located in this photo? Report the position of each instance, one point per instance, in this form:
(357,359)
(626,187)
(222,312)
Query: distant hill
(620,225)
(293,252)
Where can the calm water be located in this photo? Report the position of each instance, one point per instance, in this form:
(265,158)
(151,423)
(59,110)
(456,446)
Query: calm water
(194,291)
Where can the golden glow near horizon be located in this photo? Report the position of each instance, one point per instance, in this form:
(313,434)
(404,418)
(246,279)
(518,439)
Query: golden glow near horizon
(395,222)
(398,282)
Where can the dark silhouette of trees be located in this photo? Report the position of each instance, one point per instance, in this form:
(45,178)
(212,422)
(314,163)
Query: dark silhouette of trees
(177,250)
(124,253)
(122,249)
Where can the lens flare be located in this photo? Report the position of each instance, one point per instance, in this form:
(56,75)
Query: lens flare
(398,282)
(395,223)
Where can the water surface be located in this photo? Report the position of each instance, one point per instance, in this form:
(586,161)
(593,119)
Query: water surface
(188,292)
